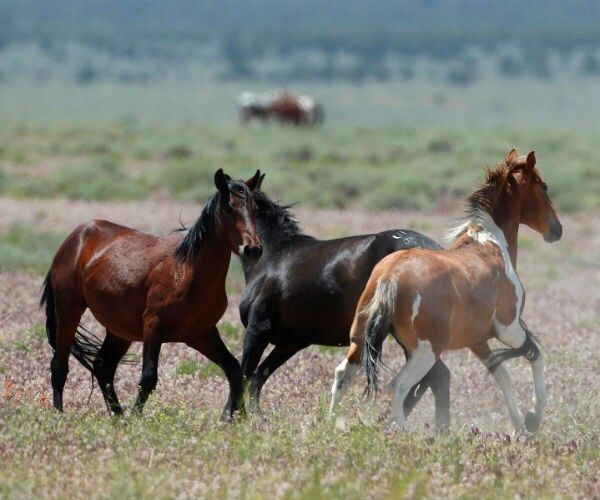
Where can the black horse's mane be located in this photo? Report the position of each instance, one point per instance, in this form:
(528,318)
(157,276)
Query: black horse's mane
(273,218)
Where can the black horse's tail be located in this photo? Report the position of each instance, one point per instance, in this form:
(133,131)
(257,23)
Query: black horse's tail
(377,326)
(529,350)
(86,345)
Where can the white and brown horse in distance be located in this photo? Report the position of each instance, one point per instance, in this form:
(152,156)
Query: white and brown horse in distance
(459,297)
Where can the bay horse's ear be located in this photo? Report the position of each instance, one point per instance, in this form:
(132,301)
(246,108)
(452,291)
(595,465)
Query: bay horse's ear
(221,181)
(260,181)
(511,156)
(255,181)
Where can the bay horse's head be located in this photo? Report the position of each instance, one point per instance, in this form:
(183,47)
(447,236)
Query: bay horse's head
(528,190)
(236,221)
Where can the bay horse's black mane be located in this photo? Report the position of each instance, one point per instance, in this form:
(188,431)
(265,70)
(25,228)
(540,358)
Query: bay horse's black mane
(273,218)
(190,245)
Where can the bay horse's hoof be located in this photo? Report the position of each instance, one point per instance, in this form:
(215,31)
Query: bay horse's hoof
(532,422)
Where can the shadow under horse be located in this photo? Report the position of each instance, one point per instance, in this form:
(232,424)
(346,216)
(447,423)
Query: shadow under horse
(150,289)
(304,291)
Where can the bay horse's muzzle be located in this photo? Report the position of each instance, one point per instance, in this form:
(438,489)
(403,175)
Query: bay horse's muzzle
(554,232)
(251,252)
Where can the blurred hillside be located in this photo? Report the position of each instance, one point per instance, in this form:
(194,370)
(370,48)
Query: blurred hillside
(377,62)
(351,39)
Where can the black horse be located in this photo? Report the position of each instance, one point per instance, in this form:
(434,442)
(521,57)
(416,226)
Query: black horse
(304,291)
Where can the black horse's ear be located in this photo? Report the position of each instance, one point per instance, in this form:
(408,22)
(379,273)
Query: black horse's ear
(254,182)
(260,181)
(221,181)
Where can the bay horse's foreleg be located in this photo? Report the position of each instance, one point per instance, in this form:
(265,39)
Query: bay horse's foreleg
(417,366)
(344,373)
(502,378)
(278,356)
(149,378)
(211,345)
(438,379)
(105,366)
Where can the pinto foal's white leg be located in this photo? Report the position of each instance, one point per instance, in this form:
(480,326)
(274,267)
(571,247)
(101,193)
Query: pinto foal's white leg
(502,378)
(417,366)
(534,418)
(344,373)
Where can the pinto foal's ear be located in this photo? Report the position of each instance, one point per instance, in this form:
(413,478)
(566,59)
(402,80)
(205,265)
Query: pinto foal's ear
(531,161)
(511,156)
(221,179)
(255,181)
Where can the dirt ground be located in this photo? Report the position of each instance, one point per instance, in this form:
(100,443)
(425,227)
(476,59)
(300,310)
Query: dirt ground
(563,306)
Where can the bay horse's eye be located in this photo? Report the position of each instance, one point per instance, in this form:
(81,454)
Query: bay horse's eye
(545,188)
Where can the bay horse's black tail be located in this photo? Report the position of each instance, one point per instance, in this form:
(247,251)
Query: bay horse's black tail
(86,345)
(377,327)
(529,350)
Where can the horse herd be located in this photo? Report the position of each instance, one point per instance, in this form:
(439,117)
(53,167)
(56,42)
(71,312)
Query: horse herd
(286,108)
(300,291)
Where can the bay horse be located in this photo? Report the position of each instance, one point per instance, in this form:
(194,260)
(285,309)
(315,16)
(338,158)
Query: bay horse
(151,289)
(303,291)
(459,297)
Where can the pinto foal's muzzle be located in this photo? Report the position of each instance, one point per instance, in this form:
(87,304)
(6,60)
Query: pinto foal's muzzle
(554,232)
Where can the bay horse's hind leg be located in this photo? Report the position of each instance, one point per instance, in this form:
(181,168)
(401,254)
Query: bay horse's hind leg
(68,315)
(211,345)
(105,366)
(149,378)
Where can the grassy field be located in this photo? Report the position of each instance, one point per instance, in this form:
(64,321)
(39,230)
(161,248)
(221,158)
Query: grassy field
(346,180)
(372,168)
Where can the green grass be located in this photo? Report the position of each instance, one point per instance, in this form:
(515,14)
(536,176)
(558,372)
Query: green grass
(27,249)
(179,450)
(376,168)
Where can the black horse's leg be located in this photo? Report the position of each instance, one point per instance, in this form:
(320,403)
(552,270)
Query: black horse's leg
(278,356)
(149,377)
(438,379)
(105,366)
(255,343)
(211,345)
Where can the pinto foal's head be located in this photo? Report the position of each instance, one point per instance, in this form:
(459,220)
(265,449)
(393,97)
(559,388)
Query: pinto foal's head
(526,188)
(514,191)
(238,209)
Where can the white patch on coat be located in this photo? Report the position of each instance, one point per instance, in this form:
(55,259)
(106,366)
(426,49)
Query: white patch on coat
(511,334)
(416,306)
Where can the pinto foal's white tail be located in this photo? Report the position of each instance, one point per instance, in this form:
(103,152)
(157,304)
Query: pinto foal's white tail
(378,313)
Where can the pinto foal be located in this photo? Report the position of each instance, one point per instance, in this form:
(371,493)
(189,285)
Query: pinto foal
(459,297)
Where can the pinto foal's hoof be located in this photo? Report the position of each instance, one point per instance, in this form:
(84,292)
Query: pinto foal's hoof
(532,422)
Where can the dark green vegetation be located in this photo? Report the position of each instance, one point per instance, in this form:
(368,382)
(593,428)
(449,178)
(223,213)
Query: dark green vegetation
(373,168)
(350,39)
